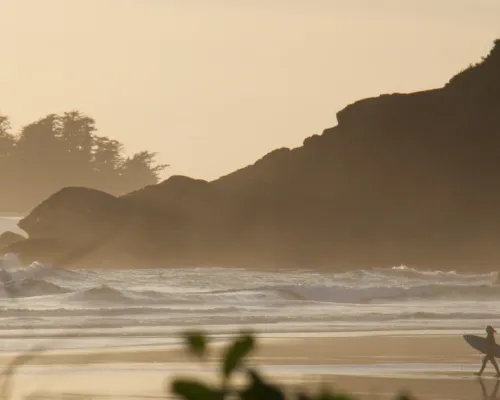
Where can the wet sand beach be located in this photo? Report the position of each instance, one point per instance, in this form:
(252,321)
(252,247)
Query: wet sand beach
(429,366)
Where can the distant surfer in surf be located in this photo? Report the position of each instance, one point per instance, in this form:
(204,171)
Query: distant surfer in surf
(490,352)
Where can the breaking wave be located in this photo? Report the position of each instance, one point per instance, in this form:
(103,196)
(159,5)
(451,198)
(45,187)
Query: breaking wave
(361,286)
(46,296)
(102,293)
(342,294)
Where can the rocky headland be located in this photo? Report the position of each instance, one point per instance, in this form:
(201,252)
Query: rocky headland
(402,179)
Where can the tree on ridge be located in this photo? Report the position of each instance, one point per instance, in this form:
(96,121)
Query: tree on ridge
(64,150)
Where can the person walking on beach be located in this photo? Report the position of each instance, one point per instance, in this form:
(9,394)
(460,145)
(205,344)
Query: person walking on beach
(490,350)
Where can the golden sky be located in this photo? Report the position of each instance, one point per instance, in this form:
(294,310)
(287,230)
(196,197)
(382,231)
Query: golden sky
(214,85)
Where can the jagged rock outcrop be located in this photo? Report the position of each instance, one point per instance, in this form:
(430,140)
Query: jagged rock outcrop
(402,178)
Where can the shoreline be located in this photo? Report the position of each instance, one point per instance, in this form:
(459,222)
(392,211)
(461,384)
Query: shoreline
(393,347)
(428,366)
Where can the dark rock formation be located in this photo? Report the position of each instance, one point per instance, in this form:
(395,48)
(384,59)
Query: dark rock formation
(402,179)
(8,238)
(71,225)
(75,214)
(45,250)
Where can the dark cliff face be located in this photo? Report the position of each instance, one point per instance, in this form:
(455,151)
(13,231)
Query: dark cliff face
(403,178)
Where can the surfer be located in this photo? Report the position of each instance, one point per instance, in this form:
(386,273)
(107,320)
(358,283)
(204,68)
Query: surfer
(490,350)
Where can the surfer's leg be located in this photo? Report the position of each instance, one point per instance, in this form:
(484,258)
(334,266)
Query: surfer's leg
(494,362)
(483,365)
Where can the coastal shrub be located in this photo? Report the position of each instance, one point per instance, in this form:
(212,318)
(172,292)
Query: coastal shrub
(234,362)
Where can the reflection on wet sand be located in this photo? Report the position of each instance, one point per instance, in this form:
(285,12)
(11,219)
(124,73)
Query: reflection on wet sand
(493,395)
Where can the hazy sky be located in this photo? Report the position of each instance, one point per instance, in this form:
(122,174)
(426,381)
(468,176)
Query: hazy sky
(214,85)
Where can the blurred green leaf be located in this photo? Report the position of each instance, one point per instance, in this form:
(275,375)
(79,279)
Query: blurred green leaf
(235,354)
(258,389)
(191,390)
(196,342)
(325,394)
(331,396)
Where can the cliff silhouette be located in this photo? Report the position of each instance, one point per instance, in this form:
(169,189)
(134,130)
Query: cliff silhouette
(402,179)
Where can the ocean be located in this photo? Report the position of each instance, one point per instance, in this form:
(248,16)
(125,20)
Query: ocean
(99,308)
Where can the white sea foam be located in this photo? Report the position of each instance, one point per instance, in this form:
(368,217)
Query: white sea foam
(211,293)
(43,297)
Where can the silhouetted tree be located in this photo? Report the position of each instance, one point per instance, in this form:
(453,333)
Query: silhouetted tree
(7,144)
(141,167)
(39,159)
(77,135)
(59,151)
(7,140)
(106,163)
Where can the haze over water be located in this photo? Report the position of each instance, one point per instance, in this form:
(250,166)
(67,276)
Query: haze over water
(138,307)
